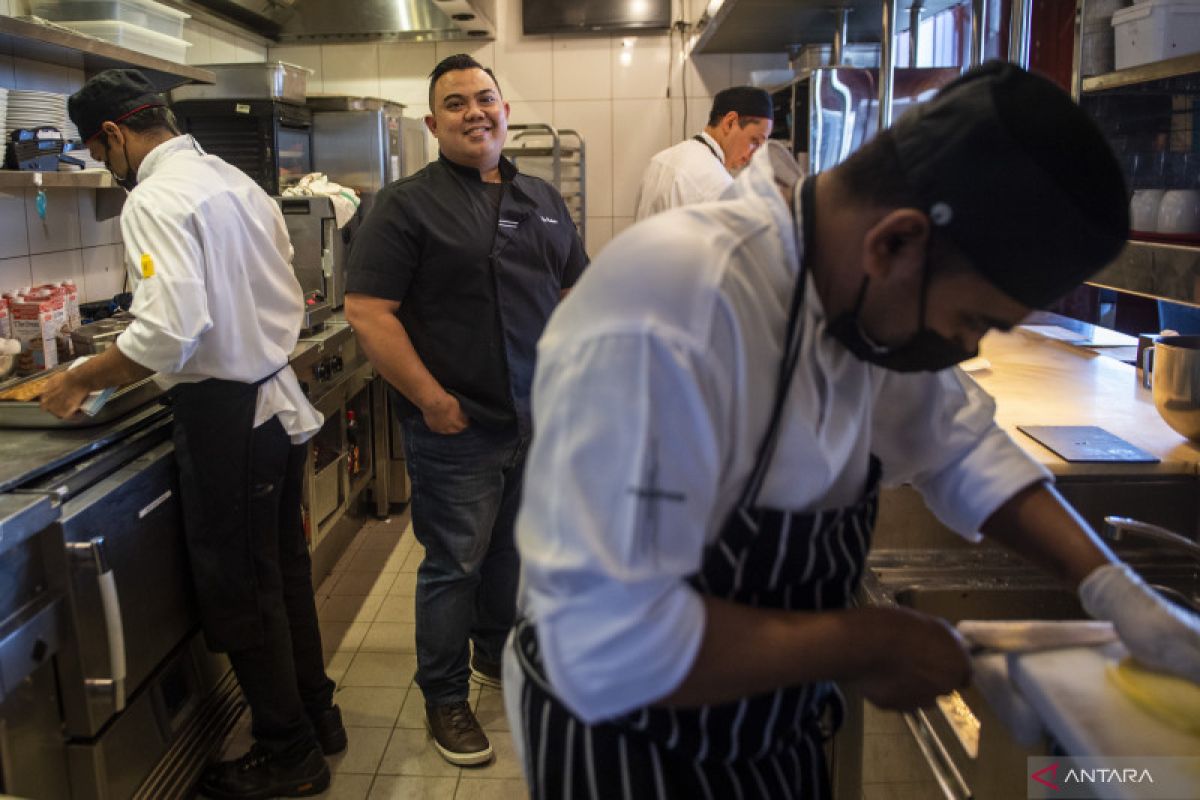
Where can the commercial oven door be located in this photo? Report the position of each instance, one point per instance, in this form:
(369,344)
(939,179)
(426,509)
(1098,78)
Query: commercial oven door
(130,587)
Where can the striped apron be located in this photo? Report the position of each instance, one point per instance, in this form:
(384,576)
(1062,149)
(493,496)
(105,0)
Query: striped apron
(766,746)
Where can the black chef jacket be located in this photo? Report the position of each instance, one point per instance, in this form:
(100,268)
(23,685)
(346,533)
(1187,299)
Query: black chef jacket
(476,284)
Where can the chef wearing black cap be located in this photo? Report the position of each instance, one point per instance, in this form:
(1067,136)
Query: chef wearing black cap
(700,168)
(217,312)
(775,357)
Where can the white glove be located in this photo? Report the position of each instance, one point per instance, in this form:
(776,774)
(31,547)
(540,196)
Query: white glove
(1157,632)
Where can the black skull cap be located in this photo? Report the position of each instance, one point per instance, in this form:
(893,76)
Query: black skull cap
(111,96)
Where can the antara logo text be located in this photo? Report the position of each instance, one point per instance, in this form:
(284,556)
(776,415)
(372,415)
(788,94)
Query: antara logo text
(1047,776)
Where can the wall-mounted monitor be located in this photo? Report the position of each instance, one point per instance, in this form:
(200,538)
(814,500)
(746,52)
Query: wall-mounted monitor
(595,16)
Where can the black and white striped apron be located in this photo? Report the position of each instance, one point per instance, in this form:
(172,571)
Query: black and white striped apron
(766,746)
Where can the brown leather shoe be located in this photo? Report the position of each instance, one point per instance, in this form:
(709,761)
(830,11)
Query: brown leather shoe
(457,735)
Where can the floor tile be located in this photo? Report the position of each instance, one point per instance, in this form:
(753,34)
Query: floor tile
(490,710)
(901,791)
(505,764)
(363,753)
(381,669)
(348,787)
(370,706)
(473,788)
(397,608)
(364,583)
(413,560)
(342,636)
(412,787)
(350,608)
(390,637)
(336,663)
(410,752)
(383,537)
(405,585)
(379,561)
(412,713)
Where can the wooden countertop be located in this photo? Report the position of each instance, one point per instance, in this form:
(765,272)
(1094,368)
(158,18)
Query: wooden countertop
(1038,381)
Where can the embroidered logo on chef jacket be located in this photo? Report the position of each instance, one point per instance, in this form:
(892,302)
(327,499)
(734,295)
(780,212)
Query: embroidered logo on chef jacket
(509,224)
(548,220)
(147,266)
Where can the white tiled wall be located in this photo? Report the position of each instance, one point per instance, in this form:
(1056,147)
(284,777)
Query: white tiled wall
(613,90)
(70,242)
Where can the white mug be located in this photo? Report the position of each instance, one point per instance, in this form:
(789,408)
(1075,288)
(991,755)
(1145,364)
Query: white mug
(1143,209)
(1179,211)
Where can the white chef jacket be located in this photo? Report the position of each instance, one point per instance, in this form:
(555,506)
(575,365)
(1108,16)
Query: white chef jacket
(681,175)
(661,380)
(214,293)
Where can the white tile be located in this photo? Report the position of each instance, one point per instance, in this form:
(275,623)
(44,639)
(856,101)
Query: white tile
(18,7)
(381,669)
(483,52)
(363,583)
(200,35)
(472,788)
(222,50)
(362,756)
(524,64)
(651,119)
(342,636)
(404,69)
(42,77)
(411,752)
(582,68)
(397,609)
(599,232)
(620,224)
(490,710)
(505,764)
(104,272)
(639,67)
(60,229)
(412,713)
(55,267)
(250,53)
(412,787)
(15,273)
(350,608)
(702,76)
(370,706)
(390,637)
(593,119)
(351,69)
(93,232)
(336,665)
(5,9)
(303,55)
(7,79)
(742,64)
(14,236)
(526,112)
(349,787)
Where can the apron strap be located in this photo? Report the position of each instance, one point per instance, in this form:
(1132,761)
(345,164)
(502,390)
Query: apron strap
(704,142)
(791,350)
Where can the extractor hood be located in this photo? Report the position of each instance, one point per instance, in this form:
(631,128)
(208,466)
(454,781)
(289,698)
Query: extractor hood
(304,21)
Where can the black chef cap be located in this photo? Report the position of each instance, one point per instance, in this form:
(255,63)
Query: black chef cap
(111,96)
(1019,177)
(747,101)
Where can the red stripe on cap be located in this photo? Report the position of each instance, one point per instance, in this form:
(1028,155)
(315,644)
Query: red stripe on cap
(126,115)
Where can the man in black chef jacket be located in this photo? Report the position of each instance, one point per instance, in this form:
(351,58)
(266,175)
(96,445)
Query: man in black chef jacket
(451,280)
(717,404)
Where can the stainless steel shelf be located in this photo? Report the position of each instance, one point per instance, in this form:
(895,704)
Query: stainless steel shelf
(1166,271)
(54,46)
(1145,73)
(87,179)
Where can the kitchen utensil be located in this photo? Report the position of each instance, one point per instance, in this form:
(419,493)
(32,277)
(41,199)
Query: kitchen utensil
(1172,369)
(1024,636)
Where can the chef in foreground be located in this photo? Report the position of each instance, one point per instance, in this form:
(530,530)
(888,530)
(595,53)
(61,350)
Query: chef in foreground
(217,313)
(712,433)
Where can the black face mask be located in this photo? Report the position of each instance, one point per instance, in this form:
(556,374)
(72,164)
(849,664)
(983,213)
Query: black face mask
(925,350)
(130,180)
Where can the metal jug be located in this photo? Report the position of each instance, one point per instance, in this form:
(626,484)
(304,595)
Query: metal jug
(1174,363)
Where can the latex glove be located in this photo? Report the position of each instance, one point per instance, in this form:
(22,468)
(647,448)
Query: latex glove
(1157,632)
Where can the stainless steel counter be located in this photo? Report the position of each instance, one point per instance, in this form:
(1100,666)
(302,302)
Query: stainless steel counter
(23,515)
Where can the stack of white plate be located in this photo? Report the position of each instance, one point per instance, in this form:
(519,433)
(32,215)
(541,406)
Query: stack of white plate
(30,109)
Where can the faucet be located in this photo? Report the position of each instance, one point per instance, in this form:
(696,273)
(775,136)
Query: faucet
(1116,528)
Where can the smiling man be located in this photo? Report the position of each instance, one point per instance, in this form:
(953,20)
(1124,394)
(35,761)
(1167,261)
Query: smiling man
(451,280)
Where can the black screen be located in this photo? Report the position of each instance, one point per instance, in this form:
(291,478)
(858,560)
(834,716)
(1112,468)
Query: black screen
(587,16)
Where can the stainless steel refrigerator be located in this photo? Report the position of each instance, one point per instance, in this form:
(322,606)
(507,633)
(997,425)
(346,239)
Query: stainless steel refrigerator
(365,143)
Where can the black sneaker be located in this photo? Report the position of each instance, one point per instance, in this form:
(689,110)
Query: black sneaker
(260,774)
(485,672)
(331,734)
(457,734)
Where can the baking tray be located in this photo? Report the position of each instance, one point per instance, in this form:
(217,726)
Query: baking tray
(15,414)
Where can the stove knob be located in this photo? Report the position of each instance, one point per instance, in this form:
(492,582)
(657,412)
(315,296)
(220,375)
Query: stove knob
(335,363)
(321,371)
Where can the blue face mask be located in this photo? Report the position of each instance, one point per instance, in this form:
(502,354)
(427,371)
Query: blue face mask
(925,350)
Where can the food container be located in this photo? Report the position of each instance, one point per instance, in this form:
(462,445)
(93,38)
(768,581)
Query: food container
(1155,30)
(273,80)
(142,13)
(134,37)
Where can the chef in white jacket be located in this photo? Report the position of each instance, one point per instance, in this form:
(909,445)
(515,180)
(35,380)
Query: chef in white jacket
(701,168)
(712,434)
(217,313)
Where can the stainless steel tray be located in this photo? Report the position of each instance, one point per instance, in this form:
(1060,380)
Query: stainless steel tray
(273,80)
(127,398)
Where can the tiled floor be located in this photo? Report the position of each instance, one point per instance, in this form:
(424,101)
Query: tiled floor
(366,611)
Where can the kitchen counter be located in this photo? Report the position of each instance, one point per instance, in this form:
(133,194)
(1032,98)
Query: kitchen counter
(1038,381)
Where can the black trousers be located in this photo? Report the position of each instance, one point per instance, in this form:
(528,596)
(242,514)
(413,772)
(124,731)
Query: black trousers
(280,667)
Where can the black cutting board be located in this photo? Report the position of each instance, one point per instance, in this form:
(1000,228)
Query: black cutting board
(1086,443)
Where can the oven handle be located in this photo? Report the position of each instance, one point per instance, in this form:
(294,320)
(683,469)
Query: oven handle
(95,553)
(949,779)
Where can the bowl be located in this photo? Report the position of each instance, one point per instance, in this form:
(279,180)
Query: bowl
(1176,383)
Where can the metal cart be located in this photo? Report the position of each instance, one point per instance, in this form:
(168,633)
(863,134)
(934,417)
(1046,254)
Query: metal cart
(558,157)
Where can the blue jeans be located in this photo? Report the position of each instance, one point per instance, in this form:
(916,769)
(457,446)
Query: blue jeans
(465,491)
